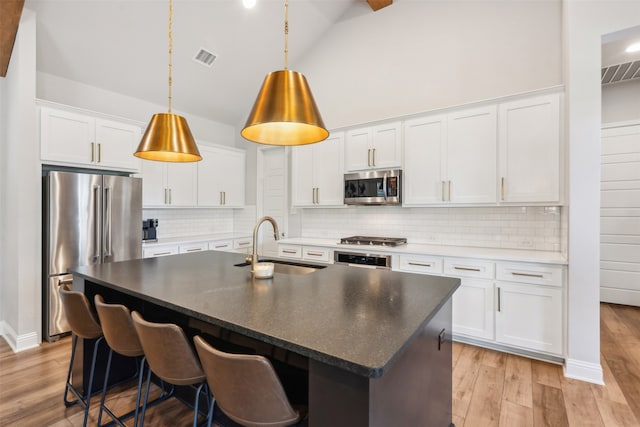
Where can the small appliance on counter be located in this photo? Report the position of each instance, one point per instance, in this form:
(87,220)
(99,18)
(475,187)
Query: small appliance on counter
(149,228)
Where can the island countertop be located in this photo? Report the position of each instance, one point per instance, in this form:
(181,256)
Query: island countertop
(356,319)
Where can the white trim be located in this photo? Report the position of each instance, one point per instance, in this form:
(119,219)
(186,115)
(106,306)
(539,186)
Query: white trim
(583,371)
(18,342)
(620,296)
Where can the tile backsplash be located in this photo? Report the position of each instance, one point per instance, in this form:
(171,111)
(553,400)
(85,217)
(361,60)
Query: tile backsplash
(190,222)
(536,228)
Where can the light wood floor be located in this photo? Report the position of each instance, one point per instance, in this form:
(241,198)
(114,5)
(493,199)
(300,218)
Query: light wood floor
(489,388)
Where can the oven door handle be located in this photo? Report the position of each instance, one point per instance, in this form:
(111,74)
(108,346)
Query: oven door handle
(384,186)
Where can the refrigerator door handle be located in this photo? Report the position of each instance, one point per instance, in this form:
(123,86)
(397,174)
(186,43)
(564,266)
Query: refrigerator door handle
(107,222)
(97,192)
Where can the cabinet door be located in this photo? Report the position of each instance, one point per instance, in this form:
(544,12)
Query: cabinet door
(357,149)
(328,170)
(116,143)
(529,316)
(530,150)
(154,183)
(473,309)
(66,137)
(424,144)
(182,181)
(233,172)
(210,178)
(471,155)
(302,180)
(386,146)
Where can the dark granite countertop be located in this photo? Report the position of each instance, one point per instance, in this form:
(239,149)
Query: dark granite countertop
(357,319)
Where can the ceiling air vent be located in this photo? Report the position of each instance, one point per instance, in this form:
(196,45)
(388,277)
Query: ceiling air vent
(204,57)
(620,72)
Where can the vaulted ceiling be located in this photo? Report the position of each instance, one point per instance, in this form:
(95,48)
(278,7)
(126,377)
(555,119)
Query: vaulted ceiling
(122,46)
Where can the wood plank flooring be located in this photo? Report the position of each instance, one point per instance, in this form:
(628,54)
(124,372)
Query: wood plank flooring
(489,388)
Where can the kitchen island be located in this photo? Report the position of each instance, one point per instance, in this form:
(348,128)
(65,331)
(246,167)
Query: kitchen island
(375,344)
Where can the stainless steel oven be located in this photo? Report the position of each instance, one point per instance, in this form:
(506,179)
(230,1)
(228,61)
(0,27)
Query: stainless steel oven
(356,259)
(381,187)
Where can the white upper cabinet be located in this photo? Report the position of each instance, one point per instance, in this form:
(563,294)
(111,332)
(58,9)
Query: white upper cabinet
(471,155)
(221,177)
(317,173)
(529,150)
(82,140)
(169,184)
(374,147)
(451,159)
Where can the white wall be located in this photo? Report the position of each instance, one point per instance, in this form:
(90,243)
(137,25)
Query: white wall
(20,284)
(621,102)
(419,55)
(584,24)
(64,91)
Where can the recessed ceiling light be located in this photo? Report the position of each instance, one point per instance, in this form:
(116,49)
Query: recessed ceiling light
(249,3)
(635,47)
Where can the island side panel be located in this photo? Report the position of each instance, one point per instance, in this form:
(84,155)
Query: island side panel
(416,390)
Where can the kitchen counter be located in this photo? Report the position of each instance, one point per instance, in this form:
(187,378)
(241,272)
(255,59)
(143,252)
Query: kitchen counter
(197,238)
(364,327)
(520,255)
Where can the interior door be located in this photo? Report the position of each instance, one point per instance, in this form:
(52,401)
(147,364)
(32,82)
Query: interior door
(274,200)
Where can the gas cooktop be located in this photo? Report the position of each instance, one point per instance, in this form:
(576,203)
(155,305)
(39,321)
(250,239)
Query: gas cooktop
(373,241)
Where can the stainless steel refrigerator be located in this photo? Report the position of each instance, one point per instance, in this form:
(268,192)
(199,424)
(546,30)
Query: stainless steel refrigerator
(87,219)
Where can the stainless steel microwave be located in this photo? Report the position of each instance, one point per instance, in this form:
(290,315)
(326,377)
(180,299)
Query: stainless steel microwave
(380,187)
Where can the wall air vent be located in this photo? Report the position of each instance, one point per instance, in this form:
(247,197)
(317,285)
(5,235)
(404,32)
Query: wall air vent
(205,57)
(620,72)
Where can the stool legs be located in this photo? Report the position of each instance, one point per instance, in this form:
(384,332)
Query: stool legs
(70,388)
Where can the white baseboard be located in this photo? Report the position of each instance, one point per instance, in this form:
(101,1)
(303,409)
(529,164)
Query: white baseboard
(18,342)
(584,371)
(620,296)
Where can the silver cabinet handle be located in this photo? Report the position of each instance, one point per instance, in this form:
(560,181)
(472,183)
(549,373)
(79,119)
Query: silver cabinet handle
(243,243)
(502,188)
(317,195)
(165,197)
(449,190)
(93,152)
(443,191)
(466,268)
(224,197)
(221,246)
(99,152)
(161,253)
(169,196)
(537,276)
(107,222)
(194,250)
(374,157)
(419,264)
(499,298)
(315,254)
(286,251)
(369,157)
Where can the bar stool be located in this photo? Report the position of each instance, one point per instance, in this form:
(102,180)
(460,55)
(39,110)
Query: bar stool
(83,324)
(170,357)
(121,336)
(245,387)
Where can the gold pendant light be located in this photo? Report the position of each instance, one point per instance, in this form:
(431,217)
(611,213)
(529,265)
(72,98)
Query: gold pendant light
(168,138)
(285,112)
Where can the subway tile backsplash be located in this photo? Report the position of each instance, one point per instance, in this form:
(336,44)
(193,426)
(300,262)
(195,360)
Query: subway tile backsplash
(494,227)
(190,222)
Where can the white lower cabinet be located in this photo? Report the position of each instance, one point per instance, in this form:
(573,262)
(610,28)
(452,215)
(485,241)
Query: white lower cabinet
(473,309)
(193,247)
(221,245)
(305,253)
(529,316)
(157,251)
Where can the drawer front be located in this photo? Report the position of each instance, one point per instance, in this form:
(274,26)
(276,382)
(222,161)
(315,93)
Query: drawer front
(193,247)
(290,251)
(463,267)
(538,274)
(157,251)
(312,253)
(221,245)
(421,264)
(242,243)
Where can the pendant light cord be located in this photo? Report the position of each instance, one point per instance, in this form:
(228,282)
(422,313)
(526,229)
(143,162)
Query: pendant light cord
(170,50)
(286,34)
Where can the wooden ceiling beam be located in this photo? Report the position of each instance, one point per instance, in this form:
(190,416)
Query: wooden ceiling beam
(379,4)
(10,12)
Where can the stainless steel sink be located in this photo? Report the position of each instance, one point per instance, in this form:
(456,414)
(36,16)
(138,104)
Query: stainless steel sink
(285,267)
